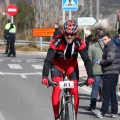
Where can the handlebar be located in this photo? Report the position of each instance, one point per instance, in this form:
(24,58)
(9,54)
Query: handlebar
(80,83)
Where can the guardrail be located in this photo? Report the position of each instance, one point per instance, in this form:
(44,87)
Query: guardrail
(28,42)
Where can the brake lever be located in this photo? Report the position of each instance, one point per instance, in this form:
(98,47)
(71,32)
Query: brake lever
(51,83)
(81,83)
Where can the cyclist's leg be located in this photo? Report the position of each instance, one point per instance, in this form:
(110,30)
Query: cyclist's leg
(56,74)
(73,74)
(74,92)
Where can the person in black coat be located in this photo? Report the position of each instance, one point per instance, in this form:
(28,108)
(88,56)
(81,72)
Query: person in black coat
(57,30)
(110,64)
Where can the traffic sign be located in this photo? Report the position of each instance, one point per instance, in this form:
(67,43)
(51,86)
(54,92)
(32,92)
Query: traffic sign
(12,9)
(43,32)
(69,5)
(87,21)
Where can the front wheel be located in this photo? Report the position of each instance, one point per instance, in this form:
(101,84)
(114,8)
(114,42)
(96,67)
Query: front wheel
(69,111)
(62,110)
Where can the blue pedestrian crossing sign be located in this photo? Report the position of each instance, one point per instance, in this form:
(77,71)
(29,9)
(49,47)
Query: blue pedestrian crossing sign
(70,5)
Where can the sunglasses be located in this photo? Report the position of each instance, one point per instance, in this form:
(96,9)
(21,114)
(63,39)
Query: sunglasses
(118,36)
(69,34)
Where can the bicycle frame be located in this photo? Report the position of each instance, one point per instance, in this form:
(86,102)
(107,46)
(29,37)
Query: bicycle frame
(67,100)
(67,111)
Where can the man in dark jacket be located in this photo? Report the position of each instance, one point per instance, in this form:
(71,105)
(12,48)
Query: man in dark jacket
(57,30)
(110,66)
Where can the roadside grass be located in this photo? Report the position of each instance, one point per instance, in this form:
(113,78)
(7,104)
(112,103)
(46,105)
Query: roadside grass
(26,48)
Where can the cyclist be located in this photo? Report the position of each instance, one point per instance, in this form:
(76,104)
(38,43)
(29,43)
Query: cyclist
(62,56)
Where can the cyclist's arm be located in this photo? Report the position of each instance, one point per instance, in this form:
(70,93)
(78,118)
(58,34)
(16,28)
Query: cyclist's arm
(84,55)
(48,61)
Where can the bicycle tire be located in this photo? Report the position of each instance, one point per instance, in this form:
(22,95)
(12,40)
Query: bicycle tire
(62,109)
(69,111)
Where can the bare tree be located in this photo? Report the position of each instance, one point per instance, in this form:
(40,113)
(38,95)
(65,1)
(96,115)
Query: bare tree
(6,4)
(49,11)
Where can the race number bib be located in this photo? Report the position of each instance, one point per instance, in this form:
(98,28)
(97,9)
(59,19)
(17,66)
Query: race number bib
(66,84)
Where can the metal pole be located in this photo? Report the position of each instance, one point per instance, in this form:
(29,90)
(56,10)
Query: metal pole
(91,14)
(40,43)
(70,16)
(84,32)
(97,10)
(12,21)
(63,16)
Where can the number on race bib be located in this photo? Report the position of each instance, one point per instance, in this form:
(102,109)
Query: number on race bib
(66,84)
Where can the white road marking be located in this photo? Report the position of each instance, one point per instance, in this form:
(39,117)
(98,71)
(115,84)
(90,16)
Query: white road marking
(86,89)
(1,60)
(16,60)
(80,63)
(1,116)
(30,60)
(23,75)
(37,66)
(15,66)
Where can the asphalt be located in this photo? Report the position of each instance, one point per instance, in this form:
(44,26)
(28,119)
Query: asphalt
(82,70)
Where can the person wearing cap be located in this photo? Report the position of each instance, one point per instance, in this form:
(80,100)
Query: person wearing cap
(88,38)
(6,35)
(12,37)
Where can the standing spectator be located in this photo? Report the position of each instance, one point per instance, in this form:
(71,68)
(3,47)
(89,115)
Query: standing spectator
(110,65)
(6,35)
(12,37)
(57,30)
(95,52)
(100,87)
(116,40)
(88,38)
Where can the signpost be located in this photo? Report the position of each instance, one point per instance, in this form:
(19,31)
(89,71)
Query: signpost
(69,5)
(86,21)
(12,10)
(40,32)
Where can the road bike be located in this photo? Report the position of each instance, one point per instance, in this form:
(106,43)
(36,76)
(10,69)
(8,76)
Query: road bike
(67,111)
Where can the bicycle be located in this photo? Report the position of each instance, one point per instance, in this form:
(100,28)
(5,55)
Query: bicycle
(67,111)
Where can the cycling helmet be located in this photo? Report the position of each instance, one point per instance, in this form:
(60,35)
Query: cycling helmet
(70,27)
